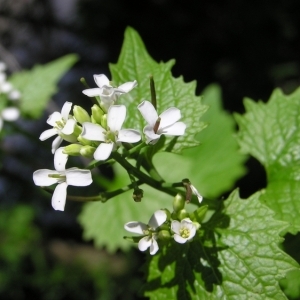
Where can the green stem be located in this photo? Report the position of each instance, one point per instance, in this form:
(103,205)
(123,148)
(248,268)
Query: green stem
(144,177)
(103,197)
(135,149)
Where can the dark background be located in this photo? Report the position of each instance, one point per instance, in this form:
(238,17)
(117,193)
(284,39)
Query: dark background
(248,47)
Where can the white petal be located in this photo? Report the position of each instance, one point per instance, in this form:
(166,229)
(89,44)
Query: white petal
(93,132)
(169,117)
(103,151)
(14,95)
(129,136)
(195,191)
(179,239)
(101,80)
(127,87)
(144,243)
(92,92)
(176,129)
(60,159)
(187,223)
(157,219)
(175,226)
(148,112)
(192,232)
(53,118)
(65,111)
(10,114)
(116,116)
(153,247)
(41,177)
(6,87)
(69,127)
(48,133)
(136,227)
(150,135)
(59,196)
(78,177)
(56,143)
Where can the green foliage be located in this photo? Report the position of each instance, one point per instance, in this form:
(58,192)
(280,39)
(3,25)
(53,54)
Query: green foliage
(39,84)
(236,256)
(135,64)
(271,133)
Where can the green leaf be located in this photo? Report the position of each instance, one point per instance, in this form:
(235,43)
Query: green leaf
(216,163)
(291,284)
(236,257)
(39,84)
(271,133)
(135,64)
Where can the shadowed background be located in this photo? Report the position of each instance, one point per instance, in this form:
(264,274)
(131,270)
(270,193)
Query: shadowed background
(249,48)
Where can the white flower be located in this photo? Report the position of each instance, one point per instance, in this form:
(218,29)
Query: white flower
(111,137)
(166,123)
(72,176)
(108,94)
(62,124)
(148,230)
(9,114)
(195,192)
(184,230)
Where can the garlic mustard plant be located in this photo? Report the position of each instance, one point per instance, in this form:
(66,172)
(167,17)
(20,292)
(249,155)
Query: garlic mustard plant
(63,177)
(63,126)
(113,135)
(149,231)
(166,123)
(184,230)
(107,93)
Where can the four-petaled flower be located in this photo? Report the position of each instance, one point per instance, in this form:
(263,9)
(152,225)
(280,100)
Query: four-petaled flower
(111,137)
(62,176)
(62,125)
(108,94)
(184,230)
(148,230)
(166,123)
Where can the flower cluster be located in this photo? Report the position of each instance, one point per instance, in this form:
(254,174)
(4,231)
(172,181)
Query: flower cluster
(98,134)
(163,225)
(8,97)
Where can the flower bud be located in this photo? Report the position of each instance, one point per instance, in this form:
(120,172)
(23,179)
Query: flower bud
(72,138)
(84,141)
(137,195)
(199,214)
(87,151)
(164,236)
(178,203)
(73,149)
(80,114)
(182,214)
(97,114)
(104,121)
